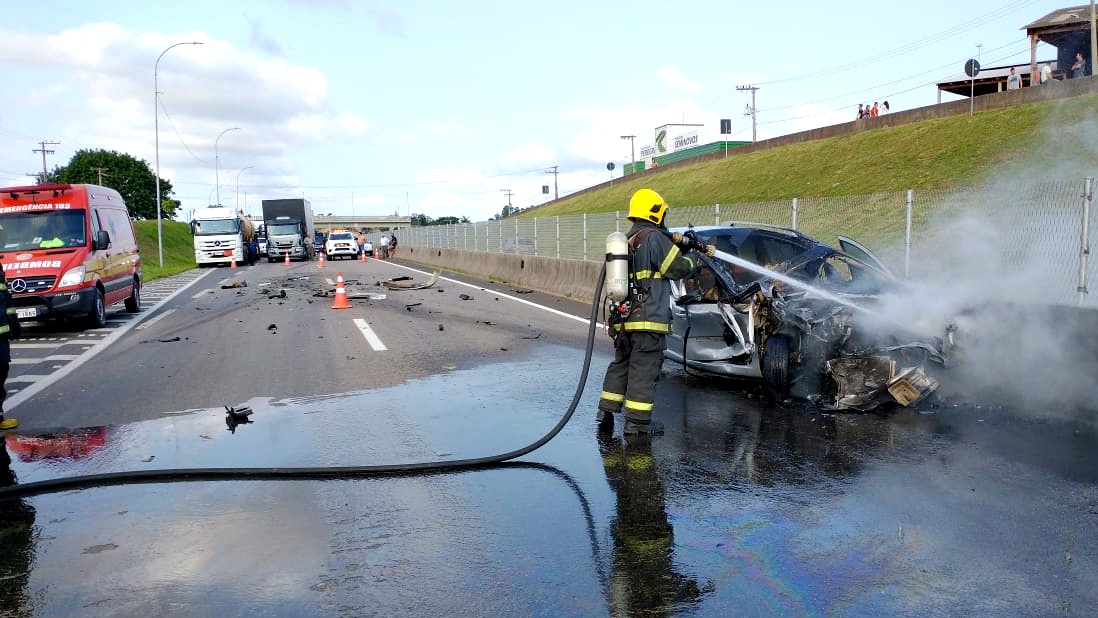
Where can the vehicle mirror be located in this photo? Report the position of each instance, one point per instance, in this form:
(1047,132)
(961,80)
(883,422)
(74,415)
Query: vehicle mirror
(102,240)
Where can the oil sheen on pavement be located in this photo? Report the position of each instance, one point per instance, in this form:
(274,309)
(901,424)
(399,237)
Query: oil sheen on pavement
(741,509)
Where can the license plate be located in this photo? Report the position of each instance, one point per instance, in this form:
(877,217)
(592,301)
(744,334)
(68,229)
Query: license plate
(27,312)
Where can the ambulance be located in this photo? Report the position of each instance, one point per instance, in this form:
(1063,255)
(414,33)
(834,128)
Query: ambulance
(68,251)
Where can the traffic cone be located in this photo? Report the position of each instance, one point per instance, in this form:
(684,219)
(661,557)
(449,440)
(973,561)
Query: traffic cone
(232,262)
(320,264)
(361,256)
(287,261)
(341,294)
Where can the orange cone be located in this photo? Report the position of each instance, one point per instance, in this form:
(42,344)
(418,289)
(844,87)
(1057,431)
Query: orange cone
(287,261)
(320,264)
(232,263)
(341,294)
(361,256)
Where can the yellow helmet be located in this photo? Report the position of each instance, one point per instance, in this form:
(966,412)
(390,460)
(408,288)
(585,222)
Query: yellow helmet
(648,205)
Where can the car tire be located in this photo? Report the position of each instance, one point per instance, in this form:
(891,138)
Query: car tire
(777,356)
(98,316)
(133,303)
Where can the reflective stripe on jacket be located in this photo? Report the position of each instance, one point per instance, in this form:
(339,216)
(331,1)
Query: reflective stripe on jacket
(656,262)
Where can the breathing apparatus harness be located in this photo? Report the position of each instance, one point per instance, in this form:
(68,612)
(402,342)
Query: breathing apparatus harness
(625,293)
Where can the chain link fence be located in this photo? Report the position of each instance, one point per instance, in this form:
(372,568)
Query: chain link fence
(1029,237)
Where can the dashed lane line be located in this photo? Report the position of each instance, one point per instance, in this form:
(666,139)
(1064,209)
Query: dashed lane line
(370,335)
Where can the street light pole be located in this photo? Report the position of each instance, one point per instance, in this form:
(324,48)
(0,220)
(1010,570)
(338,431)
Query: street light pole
(217,171)
(156,138)
(238,186)
(632,150)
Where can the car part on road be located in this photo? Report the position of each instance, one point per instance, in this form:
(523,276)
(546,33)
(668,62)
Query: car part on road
(324,472)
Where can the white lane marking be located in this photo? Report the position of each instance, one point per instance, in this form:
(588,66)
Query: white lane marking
(51,357)
(202,293)
(502,295)
(40,384)
(30,377)
(370,335)
(159,317)
(38,346)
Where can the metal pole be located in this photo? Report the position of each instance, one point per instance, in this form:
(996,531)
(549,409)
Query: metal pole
(584,237)
(717,215)
(558,236)
(238,186)
(794,225)
(156,148)
(907,233)
(1084,243)
(217,171)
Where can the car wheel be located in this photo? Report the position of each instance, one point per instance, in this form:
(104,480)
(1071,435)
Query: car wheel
(133,303)
(775,367)
(98,316)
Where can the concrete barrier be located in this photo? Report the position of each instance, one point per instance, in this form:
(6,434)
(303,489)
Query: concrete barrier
(568,278)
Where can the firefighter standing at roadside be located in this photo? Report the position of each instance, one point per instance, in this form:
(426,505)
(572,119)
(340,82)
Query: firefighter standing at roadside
(9,329)
(640,324)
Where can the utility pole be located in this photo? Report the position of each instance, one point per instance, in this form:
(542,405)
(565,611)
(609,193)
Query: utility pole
(554,172)
(750,110)
(509,194)
(44,151)
(632,149)
(99,171)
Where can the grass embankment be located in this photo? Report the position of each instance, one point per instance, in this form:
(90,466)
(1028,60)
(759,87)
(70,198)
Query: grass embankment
(178,248)
(935,154)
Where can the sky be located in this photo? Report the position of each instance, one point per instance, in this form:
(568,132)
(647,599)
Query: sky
(455,108)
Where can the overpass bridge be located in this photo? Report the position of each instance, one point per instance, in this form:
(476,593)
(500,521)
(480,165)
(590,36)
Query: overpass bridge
(325,223)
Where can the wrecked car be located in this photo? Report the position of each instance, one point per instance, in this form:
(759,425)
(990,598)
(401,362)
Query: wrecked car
(777,305)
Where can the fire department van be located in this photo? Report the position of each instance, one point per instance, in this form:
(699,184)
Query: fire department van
(68,250)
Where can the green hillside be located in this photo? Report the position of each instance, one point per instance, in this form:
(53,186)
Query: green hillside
(937,154)
(178,248)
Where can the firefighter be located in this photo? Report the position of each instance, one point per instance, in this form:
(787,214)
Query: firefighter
(639,324)
(9,329)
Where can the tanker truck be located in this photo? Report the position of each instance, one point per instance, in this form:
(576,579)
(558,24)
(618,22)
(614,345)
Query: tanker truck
(289,225)
(219,235)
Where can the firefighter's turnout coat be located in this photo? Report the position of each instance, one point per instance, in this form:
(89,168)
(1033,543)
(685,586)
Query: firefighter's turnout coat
(640,333)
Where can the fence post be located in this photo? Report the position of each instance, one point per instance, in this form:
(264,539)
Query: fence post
(794,226)
(907,233)
(617,220)
(558,236)
(499,248)
(584,237)
(535,235)
(717,213)
(1084,243)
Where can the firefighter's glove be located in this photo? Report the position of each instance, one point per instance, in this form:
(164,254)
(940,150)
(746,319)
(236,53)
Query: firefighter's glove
(708,250)
(676,237)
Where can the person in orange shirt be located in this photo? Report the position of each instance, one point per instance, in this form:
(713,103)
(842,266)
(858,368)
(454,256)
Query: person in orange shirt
(873,111)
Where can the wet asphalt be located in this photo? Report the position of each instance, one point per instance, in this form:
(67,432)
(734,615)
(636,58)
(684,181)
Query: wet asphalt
(742,508)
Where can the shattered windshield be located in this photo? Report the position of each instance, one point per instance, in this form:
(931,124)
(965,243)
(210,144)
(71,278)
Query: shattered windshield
(43,230)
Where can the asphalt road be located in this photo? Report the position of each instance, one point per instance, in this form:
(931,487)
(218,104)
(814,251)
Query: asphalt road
(269,331)
(743,508)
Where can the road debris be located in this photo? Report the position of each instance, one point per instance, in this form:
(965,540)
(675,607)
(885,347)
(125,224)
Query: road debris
(401,283)
(465,297)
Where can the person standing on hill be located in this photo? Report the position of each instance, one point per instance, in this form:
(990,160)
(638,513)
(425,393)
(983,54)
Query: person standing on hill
(1013,81)
(1046,73)
(1079,69)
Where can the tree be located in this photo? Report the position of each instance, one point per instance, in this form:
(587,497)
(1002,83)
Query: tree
(130,176)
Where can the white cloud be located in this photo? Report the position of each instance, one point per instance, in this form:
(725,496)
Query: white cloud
(529,153)
(675,80)
(448,128)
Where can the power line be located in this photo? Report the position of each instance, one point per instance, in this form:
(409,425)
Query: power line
(899,51)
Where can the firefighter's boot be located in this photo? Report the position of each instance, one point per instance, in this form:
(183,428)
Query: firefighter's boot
(643,428)
(605,421)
